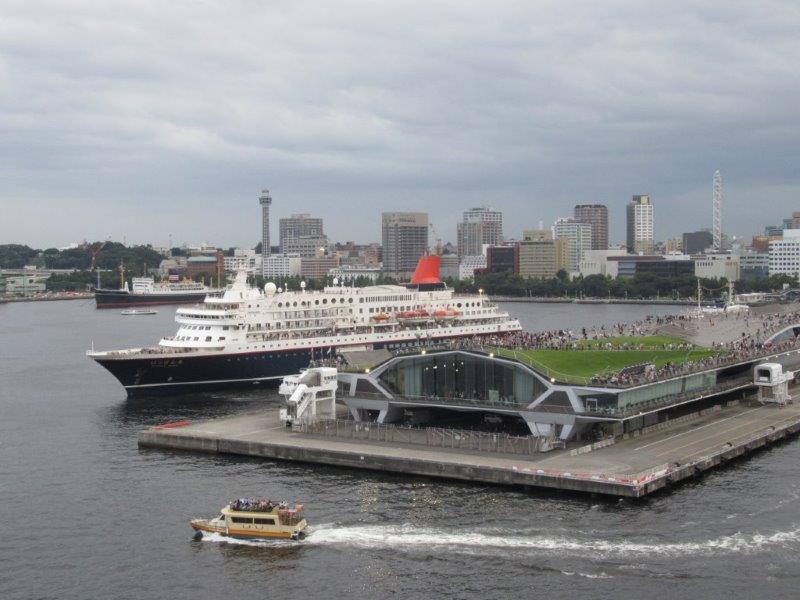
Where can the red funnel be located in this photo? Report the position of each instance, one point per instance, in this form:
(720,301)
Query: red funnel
(427,270)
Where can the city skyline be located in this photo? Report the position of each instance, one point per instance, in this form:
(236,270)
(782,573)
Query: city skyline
(757,229)
(530,109)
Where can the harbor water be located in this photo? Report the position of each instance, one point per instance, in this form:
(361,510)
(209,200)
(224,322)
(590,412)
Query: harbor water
(89,515)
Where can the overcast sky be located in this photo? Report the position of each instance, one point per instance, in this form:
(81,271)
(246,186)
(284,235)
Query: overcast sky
(144,119)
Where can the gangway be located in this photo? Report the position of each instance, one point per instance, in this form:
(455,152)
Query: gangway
(308,396)
(773,383)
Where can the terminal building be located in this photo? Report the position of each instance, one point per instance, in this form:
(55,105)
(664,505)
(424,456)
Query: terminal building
(476,389)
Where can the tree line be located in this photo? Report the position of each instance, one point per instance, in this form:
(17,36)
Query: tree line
(642,286)
(135,258)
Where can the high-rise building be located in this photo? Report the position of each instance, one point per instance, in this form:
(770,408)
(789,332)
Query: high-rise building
(281,265)
(265,200)
(578,238)
(784,254)
(674,244)
(698,241)
(640,225)
(480,226)
(317,267)
(502,259)
(405,240)
(597,216)
(302,234)
(761,243)
(539,254)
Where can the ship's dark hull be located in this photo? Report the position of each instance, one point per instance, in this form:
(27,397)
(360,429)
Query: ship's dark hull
(160,376)
(124,299)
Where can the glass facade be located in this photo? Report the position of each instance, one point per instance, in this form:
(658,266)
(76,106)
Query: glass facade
(458,375)
(672,387)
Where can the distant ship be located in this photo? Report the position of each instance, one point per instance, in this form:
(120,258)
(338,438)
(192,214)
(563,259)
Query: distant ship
(247,336)
(146,292)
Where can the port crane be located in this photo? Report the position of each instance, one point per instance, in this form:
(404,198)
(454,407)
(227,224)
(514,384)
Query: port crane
(94,250)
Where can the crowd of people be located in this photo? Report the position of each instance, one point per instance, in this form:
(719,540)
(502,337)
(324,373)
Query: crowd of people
(751,343)
(256,505)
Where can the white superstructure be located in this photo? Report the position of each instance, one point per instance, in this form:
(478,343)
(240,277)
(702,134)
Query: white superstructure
(147,285)
(246,319)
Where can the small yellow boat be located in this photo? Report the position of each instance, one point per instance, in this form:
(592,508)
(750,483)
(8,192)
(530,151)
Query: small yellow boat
(255,519)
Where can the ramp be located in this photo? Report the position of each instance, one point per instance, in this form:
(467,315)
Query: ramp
(365,359)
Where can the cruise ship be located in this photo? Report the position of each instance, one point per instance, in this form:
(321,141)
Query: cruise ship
(146,292)
(247,336)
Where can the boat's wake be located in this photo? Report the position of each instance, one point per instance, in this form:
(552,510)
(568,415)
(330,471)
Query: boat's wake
(272,543)
(413,538)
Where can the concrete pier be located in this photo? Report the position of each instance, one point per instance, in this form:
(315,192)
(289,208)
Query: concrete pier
(632,467)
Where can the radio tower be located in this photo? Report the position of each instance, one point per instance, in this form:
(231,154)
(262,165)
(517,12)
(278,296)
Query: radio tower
(717,208)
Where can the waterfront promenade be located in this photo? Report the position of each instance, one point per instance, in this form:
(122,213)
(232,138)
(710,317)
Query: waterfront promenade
(634,466)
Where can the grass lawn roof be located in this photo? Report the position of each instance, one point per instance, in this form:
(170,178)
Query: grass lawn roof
(579,366)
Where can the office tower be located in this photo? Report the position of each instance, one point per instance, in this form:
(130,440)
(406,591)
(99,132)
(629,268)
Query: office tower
(302,234)
(697,242)
(578,238)
(597,216)
(640,225)
(540,255)
(480,226)
(405,240)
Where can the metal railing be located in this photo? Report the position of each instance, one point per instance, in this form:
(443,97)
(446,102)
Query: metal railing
(499,404)
(611,412)
(459,439)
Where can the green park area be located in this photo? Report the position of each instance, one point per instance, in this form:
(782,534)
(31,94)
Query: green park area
(594,357)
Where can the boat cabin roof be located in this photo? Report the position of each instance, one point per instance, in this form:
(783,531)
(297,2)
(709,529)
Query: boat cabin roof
(260,507)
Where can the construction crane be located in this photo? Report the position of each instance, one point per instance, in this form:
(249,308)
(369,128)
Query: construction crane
(94,250)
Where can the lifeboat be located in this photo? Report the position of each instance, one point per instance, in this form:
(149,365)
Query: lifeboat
(413,316)
(445,314)
(254,519)
(380,317)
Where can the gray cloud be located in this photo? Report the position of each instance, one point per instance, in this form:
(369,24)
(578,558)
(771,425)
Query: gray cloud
(147,119)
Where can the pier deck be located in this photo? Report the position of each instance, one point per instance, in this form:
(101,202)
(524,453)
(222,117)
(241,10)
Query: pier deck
(633,467)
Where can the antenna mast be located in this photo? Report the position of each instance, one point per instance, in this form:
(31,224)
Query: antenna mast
(717,212)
